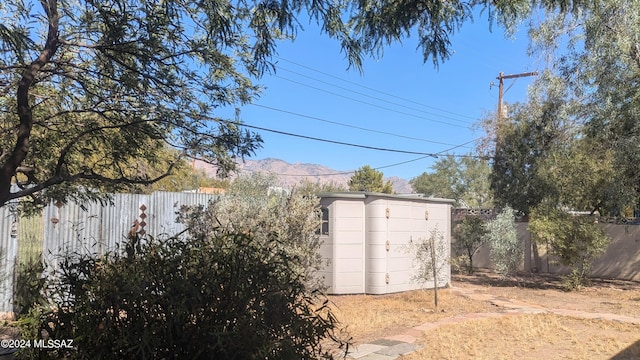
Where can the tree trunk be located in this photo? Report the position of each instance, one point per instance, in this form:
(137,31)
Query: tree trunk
(434,263)
(19,153)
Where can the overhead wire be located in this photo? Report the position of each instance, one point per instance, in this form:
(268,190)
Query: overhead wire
(425,155)
(376,148)
(349,126)
(333,141)
(369,96)
(368,147)
(375,90)
(371,104)
(386,166)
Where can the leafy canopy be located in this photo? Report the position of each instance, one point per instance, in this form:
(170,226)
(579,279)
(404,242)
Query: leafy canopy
(465,180)
(92,91)
(599,69)
(370,180)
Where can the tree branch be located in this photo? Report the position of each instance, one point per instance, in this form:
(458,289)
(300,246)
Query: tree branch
(91,175)
(19,153)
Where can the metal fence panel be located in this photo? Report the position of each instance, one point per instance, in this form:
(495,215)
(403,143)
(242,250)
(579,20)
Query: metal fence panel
(8,254)
(97,229)
(90,228)
(70,228)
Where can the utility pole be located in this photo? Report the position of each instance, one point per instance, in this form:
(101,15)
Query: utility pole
(501,78)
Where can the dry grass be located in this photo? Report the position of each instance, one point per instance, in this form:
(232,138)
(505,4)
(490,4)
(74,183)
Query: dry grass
(540,336)
(368,317)
(604,296)
(510,336)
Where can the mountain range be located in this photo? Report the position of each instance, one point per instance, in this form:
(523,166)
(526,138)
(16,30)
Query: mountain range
(290,175)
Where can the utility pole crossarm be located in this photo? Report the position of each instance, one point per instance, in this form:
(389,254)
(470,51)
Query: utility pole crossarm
(513,76)
(501,78)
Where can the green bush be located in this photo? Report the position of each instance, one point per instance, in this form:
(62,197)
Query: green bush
(30,282)
(506,250)
(575,240)
(226,296)
(255,205)
(470,235)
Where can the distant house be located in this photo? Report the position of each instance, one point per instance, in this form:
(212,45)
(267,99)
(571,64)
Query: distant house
(366,236)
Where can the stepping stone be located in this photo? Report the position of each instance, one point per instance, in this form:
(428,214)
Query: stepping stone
(387,342)
(400,349)
(362,350)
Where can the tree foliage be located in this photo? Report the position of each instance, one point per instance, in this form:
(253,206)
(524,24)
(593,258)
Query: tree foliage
(255,205)
(531,133)
(575,240)
(593,71)
(470,235)
(506,249)
(185,178)
(224,296)
(314,188)
(582,177)
(93,90)
(465,180)
(370,180)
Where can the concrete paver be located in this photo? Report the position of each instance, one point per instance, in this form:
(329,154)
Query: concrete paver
(399,349)
(375,356)
(364,350)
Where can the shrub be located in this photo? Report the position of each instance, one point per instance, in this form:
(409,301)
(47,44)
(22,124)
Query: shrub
(255,205)
(227,296)
(575,240)
(30,282)
(506,250)
(470,235)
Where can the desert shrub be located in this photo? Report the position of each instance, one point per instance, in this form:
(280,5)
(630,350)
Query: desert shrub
(255,205)
(470,235)
(506,250)
(227,296)
(575,240)
(30,282)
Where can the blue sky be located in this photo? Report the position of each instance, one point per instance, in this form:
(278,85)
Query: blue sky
(430,109)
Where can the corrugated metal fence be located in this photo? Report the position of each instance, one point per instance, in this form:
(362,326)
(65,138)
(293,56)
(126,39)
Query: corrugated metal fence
(8,254)
(90,228)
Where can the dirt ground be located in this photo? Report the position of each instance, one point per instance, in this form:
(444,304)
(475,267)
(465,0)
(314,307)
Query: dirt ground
(602,296)
(586,331)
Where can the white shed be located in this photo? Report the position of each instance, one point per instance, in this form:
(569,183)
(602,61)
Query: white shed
(366,236)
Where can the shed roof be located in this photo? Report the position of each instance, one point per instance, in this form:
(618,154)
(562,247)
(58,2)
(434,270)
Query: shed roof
(363,195)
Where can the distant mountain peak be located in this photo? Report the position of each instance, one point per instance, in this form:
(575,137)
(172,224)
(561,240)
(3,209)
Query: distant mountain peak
(290,175)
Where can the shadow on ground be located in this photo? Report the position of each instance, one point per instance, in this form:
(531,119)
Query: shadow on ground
(542,281)
(630,353)
(486,277)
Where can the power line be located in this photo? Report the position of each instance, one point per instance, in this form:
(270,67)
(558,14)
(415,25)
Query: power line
(424,154)
(380,167)
(238,123)
(369,96)
(335,141)
(347,125)
(353,171)
(346,143)
(371,104)
(376,90)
